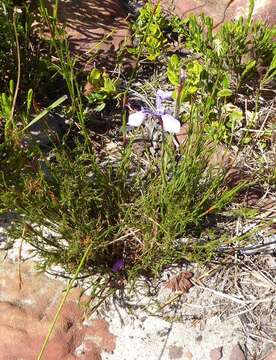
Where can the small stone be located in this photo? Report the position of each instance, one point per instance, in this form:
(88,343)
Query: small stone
(199,338)
(188,355)
(216,353)
(175,352)
(237,353)
(183,134)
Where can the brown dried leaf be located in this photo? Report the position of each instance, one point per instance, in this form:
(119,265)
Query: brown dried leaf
(88,89)
(180,282)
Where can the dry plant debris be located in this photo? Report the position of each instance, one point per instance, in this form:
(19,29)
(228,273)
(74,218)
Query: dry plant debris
(180,283)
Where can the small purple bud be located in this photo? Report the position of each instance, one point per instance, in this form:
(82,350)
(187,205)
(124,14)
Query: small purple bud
(118,265)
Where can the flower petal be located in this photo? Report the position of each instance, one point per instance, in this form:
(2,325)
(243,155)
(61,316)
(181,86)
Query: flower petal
(118,265)
(160,109)
(136,118)
(170,124)
(164,95)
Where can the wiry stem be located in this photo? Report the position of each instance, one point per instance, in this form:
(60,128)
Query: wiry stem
(10,121)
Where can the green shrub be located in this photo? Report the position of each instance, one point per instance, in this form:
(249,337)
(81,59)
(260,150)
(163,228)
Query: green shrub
(134,210)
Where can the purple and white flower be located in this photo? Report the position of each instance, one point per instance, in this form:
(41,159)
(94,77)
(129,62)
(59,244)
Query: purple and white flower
(170,123)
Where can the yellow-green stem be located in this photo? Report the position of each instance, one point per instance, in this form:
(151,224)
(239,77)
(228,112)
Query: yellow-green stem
(62,302)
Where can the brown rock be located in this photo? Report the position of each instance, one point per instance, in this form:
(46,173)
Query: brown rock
(233,177)
(99,333)
(199,338)
(216,354)
(264,9)
(237,353)
(139,146)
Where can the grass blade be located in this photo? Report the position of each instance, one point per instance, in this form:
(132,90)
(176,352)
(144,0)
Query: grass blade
(46,111)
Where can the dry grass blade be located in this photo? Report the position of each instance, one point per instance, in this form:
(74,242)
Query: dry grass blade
(221,294)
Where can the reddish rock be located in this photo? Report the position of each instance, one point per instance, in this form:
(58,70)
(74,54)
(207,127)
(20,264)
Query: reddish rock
(224,10)
(216,354)
(271,355)
(264,9)
(99,333)
(26,315)
(237,353)
(94,26)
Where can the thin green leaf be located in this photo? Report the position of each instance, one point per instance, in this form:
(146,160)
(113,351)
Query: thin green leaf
(225,93)
(46,111)
(250,65)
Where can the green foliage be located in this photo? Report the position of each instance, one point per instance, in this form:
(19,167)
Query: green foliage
(77,203)
(199,36)
(149,32)
(15,126)
(220,66)
(102,89)
(230,55)
(7,60)
(55,196)
(191,80)
(5,32)
(25,19)
(173,70)
(263,44)
(271,71)
(224,93)
(44,112)
(193,70)
(6,103)
(81,203)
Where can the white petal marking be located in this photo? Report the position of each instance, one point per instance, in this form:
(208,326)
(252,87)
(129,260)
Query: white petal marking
(170,124)
(136,119)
